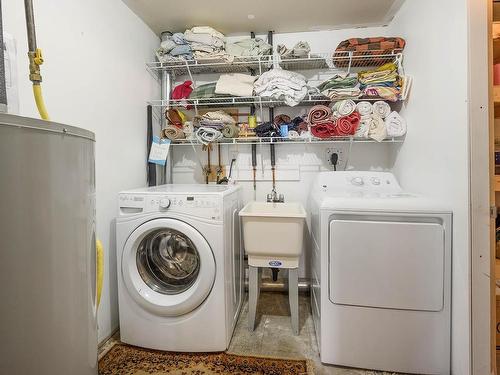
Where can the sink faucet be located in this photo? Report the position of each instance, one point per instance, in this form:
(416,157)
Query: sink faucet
(274,198)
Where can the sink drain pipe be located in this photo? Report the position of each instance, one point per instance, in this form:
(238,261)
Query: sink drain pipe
(281,286)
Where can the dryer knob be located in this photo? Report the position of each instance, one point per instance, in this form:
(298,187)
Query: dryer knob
(164,203)
(358,181)
(375,181)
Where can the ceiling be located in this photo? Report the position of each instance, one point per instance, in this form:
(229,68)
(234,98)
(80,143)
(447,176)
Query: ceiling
(238,17)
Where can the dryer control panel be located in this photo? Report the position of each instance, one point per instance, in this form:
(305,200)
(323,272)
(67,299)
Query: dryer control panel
(200,205)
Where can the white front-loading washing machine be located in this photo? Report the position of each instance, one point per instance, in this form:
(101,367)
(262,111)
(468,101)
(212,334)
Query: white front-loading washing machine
(180,266)
(381,274)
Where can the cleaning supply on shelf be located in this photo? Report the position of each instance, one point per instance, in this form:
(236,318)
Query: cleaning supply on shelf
(282,85)
(300,50)
(235,84)
(343,108)
(364,108)
(230,131)
(395,125)
(173,47)
(381,108)
(318,114)
(372,51)
(173,133)
(377,129)
(249,47)
(340,87)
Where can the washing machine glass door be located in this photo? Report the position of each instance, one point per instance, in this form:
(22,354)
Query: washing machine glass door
(168,267)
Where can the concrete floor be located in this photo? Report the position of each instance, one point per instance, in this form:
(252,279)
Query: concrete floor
(273,334)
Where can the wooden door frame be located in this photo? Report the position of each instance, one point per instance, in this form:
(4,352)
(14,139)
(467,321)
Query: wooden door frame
(481,187)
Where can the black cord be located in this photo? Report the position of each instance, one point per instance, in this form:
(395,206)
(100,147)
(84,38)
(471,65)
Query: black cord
(334,159)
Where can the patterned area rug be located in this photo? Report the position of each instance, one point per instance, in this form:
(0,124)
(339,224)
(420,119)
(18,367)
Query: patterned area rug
(124,359)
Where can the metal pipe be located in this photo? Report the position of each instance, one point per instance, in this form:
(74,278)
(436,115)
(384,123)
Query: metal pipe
(280,286)
(30,25)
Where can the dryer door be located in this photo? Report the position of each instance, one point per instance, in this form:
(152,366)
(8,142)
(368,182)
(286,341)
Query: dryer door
(168,267)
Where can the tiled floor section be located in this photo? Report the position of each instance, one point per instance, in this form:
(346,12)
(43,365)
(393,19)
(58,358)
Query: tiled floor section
(273,335)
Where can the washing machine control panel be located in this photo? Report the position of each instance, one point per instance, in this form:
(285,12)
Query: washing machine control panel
(203,206)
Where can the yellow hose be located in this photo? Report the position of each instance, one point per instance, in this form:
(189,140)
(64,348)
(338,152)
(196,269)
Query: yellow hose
(40,104)
(100,269)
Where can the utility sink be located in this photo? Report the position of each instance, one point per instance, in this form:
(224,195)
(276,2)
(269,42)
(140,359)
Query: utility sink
(273,233)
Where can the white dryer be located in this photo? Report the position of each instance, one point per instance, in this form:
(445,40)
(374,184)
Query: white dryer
(180,266)
(381,270)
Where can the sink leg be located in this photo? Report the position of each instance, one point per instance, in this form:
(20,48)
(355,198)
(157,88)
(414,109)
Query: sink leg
(293,296)
(253,294)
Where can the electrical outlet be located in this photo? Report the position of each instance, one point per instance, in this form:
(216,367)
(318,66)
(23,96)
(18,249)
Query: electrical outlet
(341,151)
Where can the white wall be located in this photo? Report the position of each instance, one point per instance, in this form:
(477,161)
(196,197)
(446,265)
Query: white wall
(434,160)
(95,78)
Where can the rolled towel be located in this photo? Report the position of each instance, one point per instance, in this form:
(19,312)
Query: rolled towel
(347,125)
(382,109)
(377,130)
(395,125)
(318,113)
(364,108)
(344,107)
(173,133)
(293,134)
(175,117)
(364,127)
(324,129)
(207,135)
(230,131)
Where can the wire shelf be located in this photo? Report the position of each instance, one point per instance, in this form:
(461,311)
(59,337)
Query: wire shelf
(281,140)
(258,64)
(238,101)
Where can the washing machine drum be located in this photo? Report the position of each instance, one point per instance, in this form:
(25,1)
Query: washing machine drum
(168,267)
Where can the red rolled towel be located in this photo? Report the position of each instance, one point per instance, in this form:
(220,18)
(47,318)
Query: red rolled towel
(318,114)
(325,129)
(347,125)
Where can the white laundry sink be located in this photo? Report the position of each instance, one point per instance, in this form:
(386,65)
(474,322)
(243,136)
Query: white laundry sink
(273,233)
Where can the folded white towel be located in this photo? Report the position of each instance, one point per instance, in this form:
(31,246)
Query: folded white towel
(382,109)
(207,30)
(377,130)
(344,107)
(364,108)
(235,84)
(395,125)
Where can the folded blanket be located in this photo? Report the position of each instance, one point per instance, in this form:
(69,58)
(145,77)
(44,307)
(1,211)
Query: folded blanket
(364,108)
(199,39)
(318,113)
(385,73)
(388,93)
(267,129)
(173,132)
(347,125)
(235,84)
(395,125)
(207,30)
(377,130)
(231,131)
(249,47)
(382,109)
(343,93)
(368,47)
(204,91)
(173,47)
(300,50)
(282,85)
(338,82)
(344,108)
(215,119)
